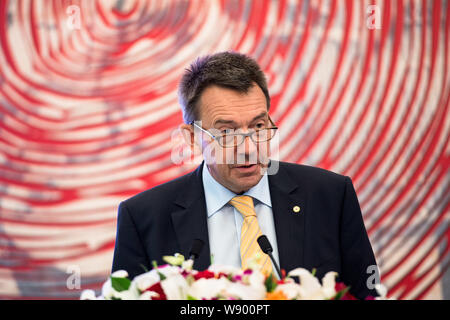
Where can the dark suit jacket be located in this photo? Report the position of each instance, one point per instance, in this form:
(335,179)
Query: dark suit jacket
(327,234)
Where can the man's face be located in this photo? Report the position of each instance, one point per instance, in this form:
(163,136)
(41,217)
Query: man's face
(222,111)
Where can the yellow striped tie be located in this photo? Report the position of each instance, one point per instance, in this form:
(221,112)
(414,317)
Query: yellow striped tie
(250,232)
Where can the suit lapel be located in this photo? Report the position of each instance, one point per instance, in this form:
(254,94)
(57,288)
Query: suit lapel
(190,220)
(287,197)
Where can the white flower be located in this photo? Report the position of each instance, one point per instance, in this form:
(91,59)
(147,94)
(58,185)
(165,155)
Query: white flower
(217,268)
(251,288)
(168,270)
(88,295)
(172,276)
(310,288)
(291,290)
(382,291)
(107,290)
(128,295)
(109,293)
(148,295)
(175,287)
(145,280)
(328,284)
(187,265)
(254,262)
(209,288)
(246,292)
(256,279)
(119,274)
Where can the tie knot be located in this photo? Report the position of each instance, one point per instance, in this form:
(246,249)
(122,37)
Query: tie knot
(244,204)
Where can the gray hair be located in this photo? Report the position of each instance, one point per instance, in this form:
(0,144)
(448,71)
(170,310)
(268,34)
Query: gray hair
(230,70)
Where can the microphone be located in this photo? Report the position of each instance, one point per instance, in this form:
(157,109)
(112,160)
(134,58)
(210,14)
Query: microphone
(196,248)
(266,247)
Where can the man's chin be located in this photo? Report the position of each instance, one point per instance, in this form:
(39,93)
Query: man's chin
(246,181)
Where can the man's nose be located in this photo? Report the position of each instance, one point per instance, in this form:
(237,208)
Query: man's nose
(248,147)
(248,142)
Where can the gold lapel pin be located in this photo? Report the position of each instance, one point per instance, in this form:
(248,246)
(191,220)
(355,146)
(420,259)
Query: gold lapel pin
(296,209)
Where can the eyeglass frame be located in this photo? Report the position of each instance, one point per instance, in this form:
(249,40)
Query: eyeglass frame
(249,134)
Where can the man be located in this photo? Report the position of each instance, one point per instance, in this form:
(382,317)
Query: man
(310,216)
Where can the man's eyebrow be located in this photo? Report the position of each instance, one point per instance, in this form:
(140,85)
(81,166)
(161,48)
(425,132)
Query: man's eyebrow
(223,121)
(261,115)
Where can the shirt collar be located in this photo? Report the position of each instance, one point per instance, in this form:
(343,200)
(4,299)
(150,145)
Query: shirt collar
(217,196)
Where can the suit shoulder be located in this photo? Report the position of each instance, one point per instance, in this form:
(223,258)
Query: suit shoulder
(311,173)
(165,190)
(316,181)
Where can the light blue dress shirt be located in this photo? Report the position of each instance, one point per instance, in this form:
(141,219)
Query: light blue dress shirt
(225,222)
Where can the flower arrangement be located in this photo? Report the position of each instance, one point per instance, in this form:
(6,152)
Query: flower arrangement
(178,281)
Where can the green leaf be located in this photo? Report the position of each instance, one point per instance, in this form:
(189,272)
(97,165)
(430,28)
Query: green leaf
(155,266)
(143,267)
(189,297)
(341,293)
(190,280)
(120,284)
(271,283)
(313,272)
(161,276)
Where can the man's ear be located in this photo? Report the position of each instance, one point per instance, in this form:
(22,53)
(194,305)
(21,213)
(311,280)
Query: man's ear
(188,134)
(189,137)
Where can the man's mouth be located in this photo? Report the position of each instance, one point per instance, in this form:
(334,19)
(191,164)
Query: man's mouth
(245,167)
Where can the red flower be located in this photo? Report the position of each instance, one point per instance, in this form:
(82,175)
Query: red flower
(339,286)
(184,273)
(283,277)
(159,290)
(348,296)
(237,278)
(204,275)
(222,274)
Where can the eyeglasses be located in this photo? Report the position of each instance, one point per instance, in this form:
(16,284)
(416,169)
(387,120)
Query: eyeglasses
(236,139)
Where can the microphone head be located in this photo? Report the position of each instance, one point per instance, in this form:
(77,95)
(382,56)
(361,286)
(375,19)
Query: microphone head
(264,244)
(197,246)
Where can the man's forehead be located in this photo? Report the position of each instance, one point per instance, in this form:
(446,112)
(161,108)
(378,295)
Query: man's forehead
(217,101)
(217,92)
